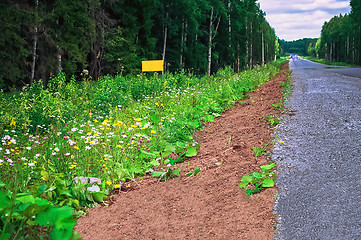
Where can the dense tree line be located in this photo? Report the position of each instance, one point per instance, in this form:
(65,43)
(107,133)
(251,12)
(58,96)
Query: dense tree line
(44,37)
(340,39)
(299,46)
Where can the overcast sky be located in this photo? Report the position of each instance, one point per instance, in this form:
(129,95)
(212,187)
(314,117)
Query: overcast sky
(296,19)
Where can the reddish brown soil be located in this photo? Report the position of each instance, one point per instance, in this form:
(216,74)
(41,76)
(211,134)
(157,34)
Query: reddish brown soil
(209,205)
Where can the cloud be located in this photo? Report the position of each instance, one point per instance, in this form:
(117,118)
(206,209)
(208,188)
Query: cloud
(293,20)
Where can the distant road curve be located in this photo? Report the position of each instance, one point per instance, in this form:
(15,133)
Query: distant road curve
(346,71)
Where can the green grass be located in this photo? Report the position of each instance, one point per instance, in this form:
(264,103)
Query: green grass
(283,59)
(327,62)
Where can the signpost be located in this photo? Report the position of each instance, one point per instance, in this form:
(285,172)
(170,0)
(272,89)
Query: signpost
(153,66)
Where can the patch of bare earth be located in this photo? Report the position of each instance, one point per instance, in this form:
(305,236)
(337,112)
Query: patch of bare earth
(209,205)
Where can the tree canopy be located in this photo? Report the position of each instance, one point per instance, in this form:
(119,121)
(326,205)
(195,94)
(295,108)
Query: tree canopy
(341,37)
(41,38)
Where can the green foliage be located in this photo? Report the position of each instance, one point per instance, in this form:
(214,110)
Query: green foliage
(196,171)
(108,132)
(272,120)
(300,47)
(23,214)
(12,68)
(169,174)
(259,151)
(340,37)
(113,37)
(279,105)
(256,181)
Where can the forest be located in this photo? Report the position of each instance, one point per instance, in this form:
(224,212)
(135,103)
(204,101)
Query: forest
(100,37)
(299,46)
(340,39)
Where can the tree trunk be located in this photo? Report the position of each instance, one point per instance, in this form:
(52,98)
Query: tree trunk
(251,48)
(247,46)
(262,48)
(229,25)
(182,45)
(59,62)
(165,42)
(210,43)
(165,38)
(35,42)
(238,59)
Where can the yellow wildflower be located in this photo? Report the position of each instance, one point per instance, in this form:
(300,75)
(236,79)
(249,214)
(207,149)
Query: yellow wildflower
(137,119)
(13,123)
(117,186)
(152,131)
(117,124)
(95,120)
(133,126)
(76,147)
(119,146)
(108,182)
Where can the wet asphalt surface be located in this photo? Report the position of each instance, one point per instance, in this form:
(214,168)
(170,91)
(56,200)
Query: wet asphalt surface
(319,163)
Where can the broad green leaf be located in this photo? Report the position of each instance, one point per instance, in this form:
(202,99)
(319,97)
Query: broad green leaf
(175,161)
(169,148)
(157,174)
(34,210)
(268,183)
(218,163)
(154,162)
(181,144)
(189,174)
(4,201)
(191,152)
(75,236)
(61,234)
(196,171)
(194,124)
(43,188)
(246,179)
(99,197)
(255,190)
(256,175)
(60,218)
(176,171)
(25,198)
(209,118)
(2,184)
(267,167)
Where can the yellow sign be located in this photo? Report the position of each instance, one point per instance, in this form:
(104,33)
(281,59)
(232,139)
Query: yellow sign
(152,66)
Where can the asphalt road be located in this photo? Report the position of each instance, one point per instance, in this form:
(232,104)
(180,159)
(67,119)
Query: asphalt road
(319,174)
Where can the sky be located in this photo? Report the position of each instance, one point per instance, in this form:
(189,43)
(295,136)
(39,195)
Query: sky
(297,19)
